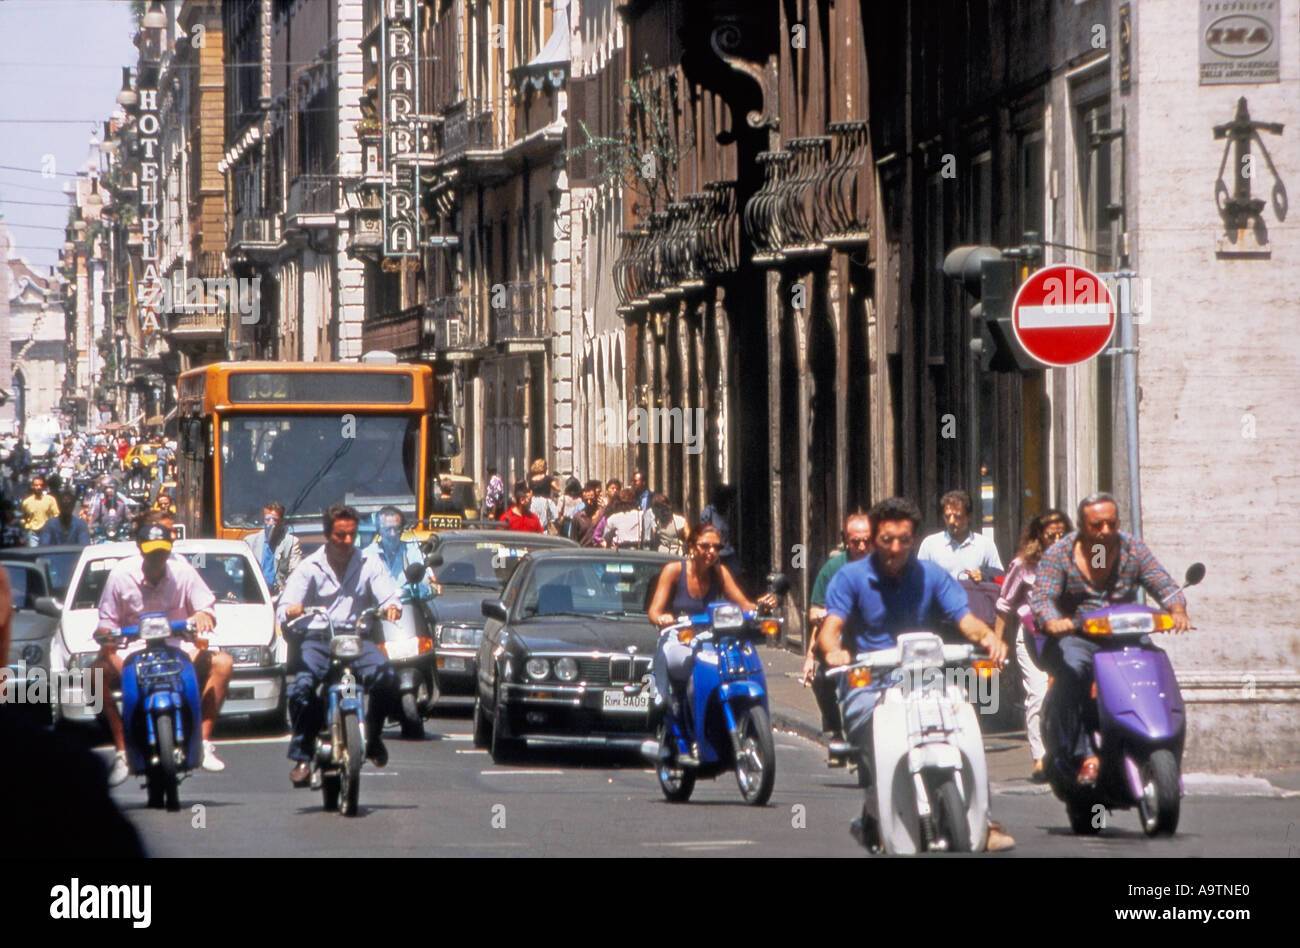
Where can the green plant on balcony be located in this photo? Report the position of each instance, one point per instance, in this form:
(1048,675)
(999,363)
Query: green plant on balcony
(643,154)
(369,128)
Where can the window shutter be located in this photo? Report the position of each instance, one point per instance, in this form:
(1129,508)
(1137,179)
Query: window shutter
(579,162)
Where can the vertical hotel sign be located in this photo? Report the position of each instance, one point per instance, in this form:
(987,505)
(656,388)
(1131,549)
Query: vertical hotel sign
(150,284)
(401,101)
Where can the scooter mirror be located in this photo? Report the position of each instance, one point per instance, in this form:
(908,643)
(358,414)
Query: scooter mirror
(414,573)
(433,560)
(778,583)
(1195,573)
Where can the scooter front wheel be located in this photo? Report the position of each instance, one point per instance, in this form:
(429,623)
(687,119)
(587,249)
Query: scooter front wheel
(676,783)
(756,757)
(412,720)
(949,814)
(353,756)
(1160,802)
(165,730)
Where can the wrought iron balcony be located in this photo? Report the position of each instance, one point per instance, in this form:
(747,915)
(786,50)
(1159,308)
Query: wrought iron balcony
(210,265)
(255,233)
(475,126)
(313,194)
(195,322)
(523,318)
(762,221)
(846,187)
(797,212)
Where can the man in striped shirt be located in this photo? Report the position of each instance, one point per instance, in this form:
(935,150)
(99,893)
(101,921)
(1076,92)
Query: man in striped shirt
(1095,567)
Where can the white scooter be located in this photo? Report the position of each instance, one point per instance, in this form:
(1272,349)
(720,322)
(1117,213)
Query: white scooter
(926,788)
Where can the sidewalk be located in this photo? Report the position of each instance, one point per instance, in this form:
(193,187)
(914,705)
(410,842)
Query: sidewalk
(1006,755)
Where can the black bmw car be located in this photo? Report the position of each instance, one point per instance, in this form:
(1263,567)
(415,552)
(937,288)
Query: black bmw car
(474,564)
(566,652)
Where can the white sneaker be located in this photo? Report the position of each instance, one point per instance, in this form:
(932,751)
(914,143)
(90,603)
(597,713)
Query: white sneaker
(119,772)
(211,762)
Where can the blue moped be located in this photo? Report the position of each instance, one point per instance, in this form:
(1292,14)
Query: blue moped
(161,710)
(724,725)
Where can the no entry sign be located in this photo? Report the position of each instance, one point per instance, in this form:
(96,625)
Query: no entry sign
(1063,315)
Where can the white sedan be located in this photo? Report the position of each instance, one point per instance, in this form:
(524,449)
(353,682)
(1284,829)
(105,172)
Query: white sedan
(245,628)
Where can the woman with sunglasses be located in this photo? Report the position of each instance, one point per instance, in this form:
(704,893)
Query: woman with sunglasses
(1039,534)
(688,587)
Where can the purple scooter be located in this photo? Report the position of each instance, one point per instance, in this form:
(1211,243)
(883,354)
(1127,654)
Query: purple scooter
(1138,722)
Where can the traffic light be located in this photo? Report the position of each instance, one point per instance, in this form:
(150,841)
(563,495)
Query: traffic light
(993,279)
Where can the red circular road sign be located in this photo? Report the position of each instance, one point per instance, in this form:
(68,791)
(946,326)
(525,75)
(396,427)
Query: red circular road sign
(1063,315)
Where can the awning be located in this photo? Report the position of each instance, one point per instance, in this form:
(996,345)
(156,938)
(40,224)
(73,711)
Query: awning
(155,421)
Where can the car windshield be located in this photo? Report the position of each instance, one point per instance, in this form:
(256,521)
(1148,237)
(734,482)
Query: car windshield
(483,563)
(596,587)
(230,576)
(22,596)
(309,462)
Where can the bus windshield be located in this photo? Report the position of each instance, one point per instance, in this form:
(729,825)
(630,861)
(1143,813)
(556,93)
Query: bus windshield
(308,462)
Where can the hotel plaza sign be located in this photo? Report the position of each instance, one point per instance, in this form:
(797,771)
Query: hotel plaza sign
(401,108)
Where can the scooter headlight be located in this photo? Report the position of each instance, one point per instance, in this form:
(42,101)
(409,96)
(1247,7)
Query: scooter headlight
(154,628)
(345,646)
(728,616)
(925,652)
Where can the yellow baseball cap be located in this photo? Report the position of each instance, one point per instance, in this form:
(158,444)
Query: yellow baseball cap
(154,537)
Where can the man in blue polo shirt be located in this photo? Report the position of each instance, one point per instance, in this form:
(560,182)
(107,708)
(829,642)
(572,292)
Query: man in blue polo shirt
(871,601)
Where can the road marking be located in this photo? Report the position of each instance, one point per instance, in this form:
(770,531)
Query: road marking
(457,737)
(474,751)
(523,773)
(252,740)
(706,844)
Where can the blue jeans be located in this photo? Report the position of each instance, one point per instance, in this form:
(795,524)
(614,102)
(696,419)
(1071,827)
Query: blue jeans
(306,712)
(1069,660)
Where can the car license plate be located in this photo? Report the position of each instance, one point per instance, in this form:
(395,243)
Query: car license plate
(454,663)
(402,648)
(618,700)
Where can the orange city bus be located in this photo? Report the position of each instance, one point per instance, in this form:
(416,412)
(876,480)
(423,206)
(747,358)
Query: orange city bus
(308,434)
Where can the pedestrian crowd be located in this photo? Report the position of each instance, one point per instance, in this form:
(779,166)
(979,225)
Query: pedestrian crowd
(608,514)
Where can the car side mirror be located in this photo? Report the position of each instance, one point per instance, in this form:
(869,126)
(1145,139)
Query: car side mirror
(48,606)
(494,609)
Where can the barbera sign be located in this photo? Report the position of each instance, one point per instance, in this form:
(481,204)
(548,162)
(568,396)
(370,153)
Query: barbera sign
(401,101)
(150,285)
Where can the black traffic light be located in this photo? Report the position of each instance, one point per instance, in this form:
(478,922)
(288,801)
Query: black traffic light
(993,279)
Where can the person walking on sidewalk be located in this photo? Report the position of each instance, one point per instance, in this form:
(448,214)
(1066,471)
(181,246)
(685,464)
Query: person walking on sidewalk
(957,548)
(857,544)
(1039,534)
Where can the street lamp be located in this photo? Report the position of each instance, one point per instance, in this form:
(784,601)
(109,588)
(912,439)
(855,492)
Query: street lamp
(128,97)
(107,144)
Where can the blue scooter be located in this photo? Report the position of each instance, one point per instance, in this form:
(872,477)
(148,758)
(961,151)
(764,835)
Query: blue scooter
(161,710)
(727,725)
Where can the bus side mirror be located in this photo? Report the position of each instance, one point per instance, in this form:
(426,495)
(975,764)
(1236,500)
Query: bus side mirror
(448,440)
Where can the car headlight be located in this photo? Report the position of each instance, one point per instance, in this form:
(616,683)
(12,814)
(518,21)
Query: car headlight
(459,635)
(566,669)
(249,654)
(32,654)
(537,668)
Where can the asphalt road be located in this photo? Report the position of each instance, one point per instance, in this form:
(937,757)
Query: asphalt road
(442,797)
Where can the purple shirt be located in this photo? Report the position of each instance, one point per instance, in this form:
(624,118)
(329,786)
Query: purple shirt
(128,595)
(1061,591)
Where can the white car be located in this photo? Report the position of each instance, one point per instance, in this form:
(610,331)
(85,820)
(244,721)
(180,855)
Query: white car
(245,627)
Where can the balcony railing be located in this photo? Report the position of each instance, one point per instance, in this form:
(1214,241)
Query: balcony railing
(476,125)
(446,324)
(210,265)
(523,317)
(204,320)
(398,332)
(256,230)
(313,194)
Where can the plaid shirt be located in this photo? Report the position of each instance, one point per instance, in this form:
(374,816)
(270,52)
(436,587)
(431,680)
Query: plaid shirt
(1061,591)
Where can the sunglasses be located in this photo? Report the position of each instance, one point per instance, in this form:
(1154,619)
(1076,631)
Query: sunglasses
(708,546)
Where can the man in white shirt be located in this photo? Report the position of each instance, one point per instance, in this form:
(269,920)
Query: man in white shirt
(959,550)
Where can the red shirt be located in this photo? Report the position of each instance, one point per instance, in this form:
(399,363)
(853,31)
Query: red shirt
(527,522)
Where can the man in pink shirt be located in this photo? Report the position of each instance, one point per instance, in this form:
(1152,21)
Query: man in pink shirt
(157,582)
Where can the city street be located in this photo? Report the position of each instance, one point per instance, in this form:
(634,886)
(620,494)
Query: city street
(442,797)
